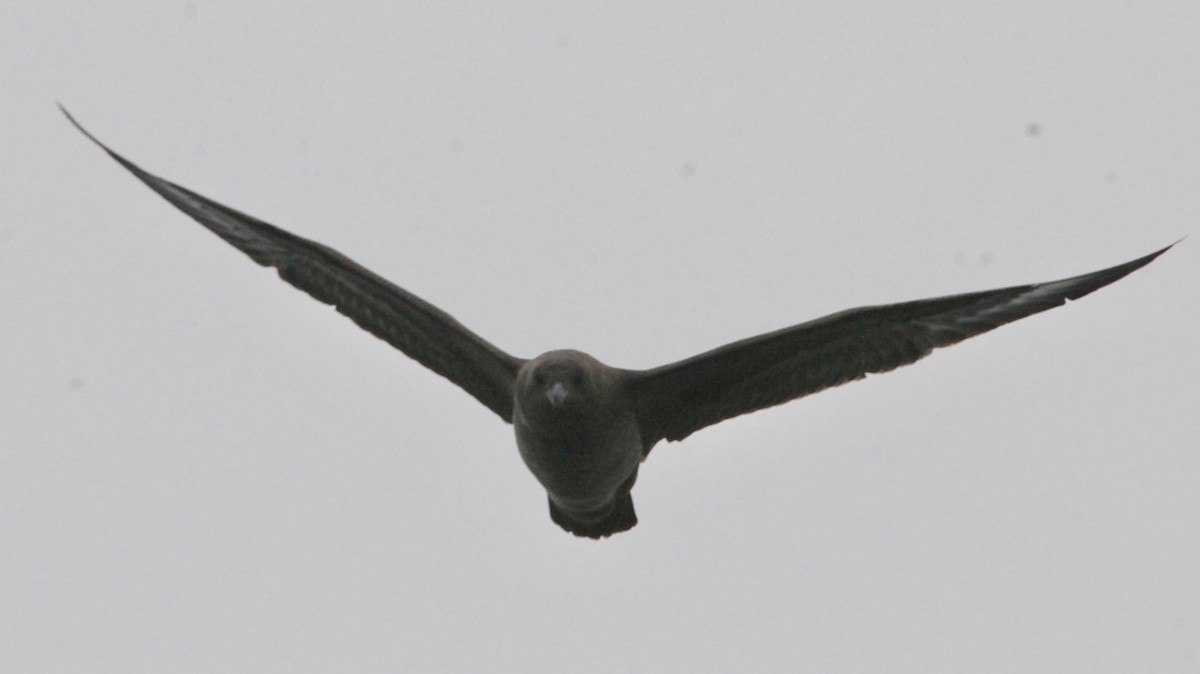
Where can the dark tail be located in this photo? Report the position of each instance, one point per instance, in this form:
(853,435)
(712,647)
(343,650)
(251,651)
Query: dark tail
(620,518)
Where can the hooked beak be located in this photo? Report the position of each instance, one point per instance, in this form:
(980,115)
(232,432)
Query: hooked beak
(556,394)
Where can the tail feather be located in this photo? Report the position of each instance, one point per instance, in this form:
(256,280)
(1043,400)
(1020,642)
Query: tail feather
(620,518)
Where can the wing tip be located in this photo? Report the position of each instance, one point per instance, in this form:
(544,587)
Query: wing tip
(1134,265)
(120,159)
(1147,259)
(75,123)
(1096,280)
(1164,249)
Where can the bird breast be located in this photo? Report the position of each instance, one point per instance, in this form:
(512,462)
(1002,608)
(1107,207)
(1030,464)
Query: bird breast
(581,462)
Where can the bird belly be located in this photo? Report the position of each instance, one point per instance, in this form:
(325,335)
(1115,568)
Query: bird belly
(581,471)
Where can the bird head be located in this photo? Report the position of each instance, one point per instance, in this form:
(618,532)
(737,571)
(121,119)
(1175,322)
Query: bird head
(558,384)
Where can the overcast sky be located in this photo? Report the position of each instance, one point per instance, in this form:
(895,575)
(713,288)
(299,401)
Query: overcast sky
(204,470)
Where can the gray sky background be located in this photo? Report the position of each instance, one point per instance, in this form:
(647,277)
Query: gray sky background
(203,470)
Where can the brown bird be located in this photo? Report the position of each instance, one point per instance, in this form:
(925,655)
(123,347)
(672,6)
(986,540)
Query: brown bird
(583,427)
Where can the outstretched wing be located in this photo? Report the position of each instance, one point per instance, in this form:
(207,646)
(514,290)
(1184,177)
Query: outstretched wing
(422,331)
(676,400)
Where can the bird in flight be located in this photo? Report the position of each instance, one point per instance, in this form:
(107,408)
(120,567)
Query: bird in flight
(583,427)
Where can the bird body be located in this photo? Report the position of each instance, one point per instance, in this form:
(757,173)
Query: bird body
(583,427)
(577,433)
